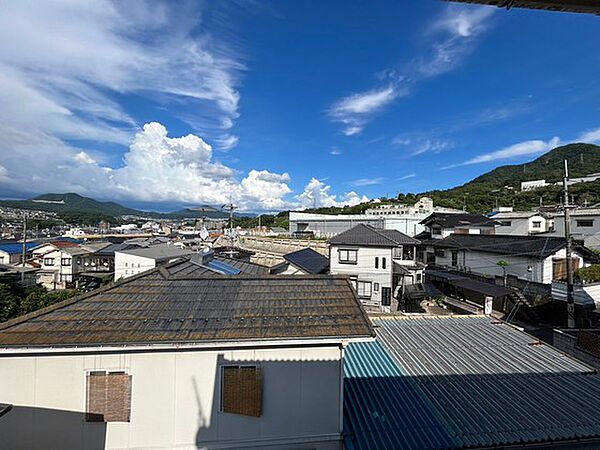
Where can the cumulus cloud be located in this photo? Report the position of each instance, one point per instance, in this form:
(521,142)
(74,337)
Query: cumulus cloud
(317,194)
(520,149)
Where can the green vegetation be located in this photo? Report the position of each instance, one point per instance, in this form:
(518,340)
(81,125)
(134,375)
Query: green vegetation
(15,301)
(589,274)
(267,220)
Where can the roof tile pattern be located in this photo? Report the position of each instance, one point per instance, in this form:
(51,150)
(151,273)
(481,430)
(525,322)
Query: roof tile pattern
(156,307)
(366,235)
(309,260)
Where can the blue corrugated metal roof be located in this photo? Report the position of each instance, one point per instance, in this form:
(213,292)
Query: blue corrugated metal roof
(223,267)
(464,382)
(382,410)
(17,247)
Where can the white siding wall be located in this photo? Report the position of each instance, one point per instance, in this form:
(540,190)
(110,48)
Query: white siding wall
(365,268)
(127,265)
(486,264)
(559,225)
(175,401)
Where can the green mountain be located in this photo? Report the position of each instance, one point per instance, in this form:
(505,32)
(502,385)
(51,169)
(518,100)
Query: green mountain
(501,186)
(71,205)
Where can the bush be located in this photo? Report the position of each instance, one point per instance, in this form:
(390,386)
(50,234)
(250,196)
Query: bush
(589,274)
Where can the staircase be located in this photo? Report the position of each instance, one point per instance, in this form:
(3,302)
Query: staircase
(524,305)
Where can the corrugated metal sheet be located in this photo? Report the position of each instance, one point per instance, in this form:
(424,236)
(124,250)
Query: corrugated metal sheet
(485,382)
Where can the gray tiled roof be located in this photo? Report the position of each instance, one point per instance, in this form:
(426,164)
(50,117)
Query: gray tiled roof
(464,382)
(537,246)
(157,307)
(159,252)
(369,236)
(188,268)
(309,260)
(450,220)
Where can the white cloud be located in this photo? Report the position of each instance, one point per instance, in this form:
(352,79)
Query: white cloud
(406,177)
(355,110)
(63,64)
(317,194)
(590,136)
(453,37)
(520,149)
(335,151)
(84,158)
(418,146)
(367,181)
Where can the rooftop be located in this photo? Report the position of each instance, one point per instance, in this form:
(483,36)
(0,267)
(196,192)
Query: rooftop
(159,307)
(450,220)
(15,248)
(309,260)
(369,236)
(538,246)
(514,215)
(463,382)
(159,252)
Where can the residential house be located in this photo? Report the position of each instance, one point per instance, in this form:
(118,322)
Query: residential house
(539,259)
(585,226)
(302,262)
(466,382)
(198,363)
(379,263)
(441,225)
(134,261)
(61,268)
(521,223)
(12,252)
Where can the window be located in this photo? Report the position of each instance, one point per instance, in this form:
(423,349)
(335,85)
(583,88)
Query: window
(108,397)
(383,263)
(364,289)
(536,224)
(376,287)
(397,252)
(241,390)
(1,259)
(126,264)
(505,223)
(436,230)
(408,253)
(377,262)
(78,261)
(439,253)
(454,259)
(348,256)
(48,261)
(65,261)
(419,278)
(585,223)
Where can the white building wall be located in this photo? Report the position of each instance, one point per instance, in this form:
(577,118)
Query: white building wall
(127,265)
(407,224)
(175,401)
(364,269)
(525,268)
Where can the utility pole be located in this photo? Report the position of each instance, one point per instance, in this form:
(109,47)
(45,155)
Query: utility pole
(567,206)
(24,248)
(230,207)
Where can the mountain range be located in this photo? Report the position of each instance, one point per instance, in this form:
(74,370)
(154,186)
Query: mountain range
(75,203)
(498,187)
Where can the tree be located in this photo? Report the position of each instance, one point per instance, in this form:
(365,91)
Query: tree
(504,265)
(9,303)
(39,298)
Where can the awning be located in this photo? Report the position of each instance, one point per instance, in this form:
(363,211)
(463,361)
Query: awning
(488,289)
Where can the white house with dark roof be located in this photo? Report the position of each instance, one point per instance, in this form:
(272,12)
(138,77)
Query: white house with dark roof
(178,358)
(379,263)
(134,261)
(540,259)
(302,262)
(521,223)
(441,225)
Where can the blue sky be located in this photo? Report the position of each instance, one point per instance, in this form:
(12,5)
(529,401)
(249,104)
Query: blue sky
(284,104)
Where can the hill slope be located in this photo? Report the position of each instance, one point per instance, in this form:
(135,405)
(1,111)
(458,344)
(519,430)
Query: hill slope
(71,203)
(494,188)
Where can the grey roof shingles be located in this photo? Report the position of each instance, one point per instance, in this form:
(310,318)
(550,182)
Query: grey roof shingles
(536,246)
(366,235)
(159,252)
(159,307)
(452,220)
(464,382)
(309,260)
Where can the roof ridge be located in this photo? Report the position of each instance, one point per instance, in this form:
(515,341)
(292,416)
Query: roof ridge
(387,237)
